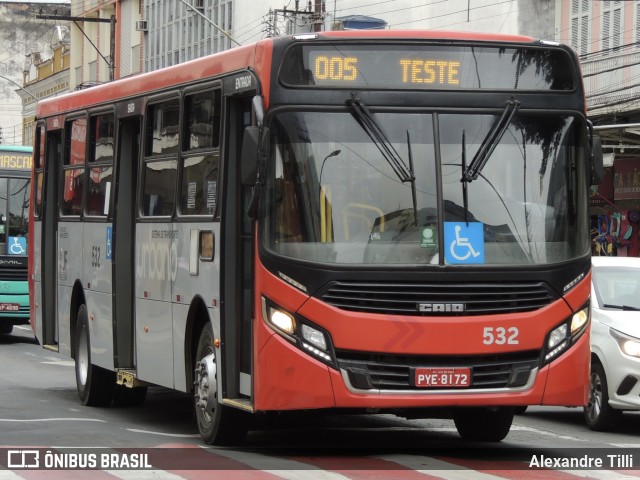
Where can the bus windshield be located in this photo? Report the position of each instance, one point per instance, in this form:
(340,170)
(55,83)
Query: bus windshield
(334,196)
(14,208)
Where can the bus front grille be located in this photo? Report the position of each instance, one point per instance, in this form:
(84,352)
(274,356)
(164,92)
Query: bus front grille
(438,298)
(395,372)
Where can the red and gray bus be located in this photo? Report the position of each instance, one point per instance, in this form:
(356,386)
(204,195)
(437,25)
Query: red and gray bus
(378,221)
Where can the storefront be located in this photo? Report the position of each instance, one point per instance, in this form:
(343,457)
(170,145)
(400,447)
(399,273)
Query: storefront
(615,203)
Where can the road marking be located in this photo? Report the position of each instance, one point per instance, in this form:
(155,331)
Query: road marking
(438,468)
(9,475)
(281,467)
(142,474)
(178,435)
(545,432)
(52,420)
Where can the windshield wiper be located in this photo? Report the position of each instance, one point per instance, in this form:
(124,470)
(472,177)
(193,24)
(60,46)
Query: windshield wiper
(490,142)
(621,307)
(389,153)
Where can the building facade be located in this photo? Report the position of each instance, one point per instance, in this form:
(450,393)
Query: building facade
(606,35)
(25,41)
(106,44)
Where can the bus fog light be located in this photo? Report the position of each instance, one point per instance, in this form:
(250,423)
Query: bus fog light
(283,321)
(313,336)
(557,336)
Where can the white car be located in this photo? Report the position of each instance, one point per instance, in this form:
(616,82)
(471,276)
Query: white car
(615,341)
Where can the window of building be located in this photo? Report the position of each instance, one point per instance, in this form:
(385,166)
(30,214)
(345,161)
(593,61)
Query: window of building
(611,24)
(580,31)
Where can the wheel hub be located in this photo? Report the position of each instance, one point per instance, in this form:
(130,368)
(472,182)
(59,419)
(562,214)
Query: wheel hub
(206,389)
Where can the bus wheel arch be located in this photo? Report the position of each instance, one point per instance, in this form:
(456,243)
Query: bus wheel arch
(197,318)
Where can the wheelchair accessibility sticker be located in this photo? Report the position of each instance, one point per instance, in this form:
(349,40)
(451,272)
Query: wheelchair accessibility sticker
(17,246)
(464,242)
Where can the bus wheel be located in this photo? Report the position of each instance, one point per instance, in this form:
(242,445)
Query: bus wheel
(6,328)
(597,412)
(95,384)
(217,423)
(483,425)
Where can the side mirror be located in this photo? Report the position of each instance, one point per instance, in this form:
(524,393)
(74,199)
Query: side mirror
(249,156)
(597,162)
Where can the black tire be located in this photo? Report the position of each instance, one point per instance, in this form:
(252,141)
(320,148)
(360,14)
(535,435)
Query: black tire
(520,410)
(6,328)
(218,424)
(95,384)
(598,414)
(482,424)
(129,397)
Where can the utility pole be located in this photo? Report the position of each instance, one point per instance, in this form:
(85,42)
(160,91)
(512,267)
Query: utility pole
(286,13)
(112,38)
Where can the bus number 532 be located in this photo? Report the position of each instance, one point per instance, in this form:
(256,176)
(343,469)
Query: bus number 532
(500,336)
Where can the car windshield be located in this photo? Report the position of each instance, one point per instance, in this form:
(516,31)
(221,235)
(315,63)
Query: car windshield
(338,192)
(617,287)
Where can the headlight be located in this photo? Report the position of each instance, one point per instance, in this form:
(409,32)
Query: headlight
(565,334)
(629,345)
(308,337)
(282,321)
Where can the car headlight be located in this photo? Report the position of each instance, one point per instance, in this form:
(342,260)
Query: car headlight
(305,335)
(628,344)
(564,335)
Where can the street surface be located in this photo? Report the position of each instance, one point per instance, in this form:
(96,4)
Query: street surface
(40,413)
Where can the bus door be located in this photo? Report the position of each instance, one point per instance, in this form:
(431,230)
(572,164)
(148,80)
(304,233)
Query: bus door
(51,262)
(237,246)
(123,235)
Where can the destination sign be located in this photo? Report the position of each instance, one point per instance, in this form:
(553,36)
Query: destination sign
(448,67)
(15,161)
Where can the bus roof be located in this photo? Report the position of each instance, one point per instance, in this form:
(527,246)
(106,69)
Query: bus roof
(256,56)
(15,148)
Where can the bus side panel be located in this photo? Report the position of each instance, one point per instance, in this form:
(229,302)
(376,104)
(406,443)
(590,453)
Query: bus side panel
(96,272)
(36,311)
(69,270)
(154,341)
(196,280)
(156,264)
(99,309)
(36,259)
(65,320)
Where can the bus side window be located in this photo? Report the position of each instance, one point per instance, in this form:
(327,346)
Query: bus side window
(101,156)
(73,168)
(200,170)
(161,163)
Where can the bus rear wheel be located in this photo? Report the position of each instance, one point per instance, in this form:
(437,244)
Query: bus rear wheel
(218,424)
(95,384)
(482,424)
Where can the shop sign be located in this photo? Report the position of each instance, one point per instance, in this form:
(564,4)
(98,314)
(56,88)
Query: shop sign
(603,193)
(626,179)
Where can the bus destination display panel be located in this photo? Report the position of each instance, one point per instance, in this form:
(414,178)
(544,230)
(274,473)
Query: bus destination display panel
(427,67)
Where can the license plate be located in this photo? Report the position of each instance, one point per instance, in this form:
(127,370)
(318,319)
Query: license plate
(442,377)
(9,307)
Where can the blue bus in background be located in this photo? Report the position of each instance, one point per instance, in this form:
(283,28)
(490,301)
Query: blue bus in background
(15,174)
